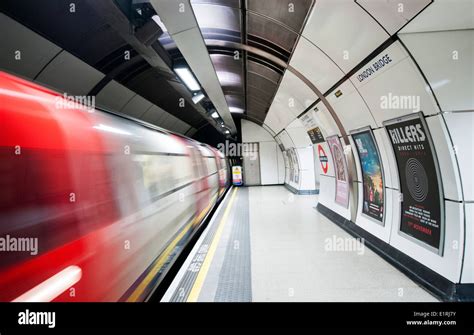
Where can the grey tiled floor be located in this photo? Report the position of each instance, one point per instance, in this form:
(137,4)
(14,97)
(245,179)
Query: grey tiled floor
(289,261)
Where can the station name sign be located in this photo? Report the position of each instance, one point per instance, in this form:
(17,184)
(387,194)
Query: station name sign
(376,66)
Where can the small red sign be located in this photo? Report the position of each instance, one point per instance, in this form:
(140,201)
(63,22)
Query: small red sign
(323,159)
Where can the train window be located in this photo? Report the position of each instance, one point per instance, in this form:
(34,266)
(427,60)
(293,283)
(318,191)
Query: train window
(211,165)
(183,171)
(161,174)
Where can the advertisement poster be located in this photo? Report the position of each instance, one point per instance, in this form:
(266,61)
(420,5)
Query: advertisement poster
(340,168)
(282,147)
(422,207)
(237,175)
(294,168)
(372,175)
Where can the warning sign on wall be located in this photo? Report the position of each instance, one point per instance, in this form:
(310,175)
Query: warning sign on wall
(237,175)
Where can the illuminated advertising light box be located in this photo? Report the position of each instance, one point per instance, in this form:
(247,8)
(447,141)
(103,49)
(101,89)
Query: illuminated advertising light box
(237,175)
(340,168)
(422,209)
(373,196)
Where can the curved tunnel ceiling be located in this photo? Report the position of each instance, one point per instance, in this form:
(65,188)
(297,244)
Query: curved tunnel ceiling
(270,32)
(251,45)
(232,29)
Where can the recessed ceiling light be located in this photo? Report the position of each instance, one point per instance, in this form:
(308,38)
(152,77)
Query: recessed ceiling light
(160,23)
(198,97)
(188,78)
(215,115)
(236,110)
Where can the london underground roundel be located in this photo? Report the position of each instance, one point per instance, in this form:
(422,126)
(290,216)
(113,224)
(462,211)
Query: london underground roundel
(323,159)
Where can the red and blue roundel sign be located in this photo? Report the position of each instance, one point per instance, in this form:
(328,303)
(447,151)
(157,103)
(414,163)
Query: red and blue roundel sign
(323,159)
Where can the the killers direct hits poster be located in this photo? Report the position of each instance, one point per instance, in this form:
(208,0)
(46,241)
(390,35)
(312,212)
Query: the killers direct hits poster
(421,200)
(373,183)
(340,168)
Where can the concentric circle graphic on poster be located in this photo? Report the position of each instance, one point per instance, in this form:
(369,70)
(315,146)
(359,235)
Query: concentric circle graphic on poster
(417,180)
(422,210)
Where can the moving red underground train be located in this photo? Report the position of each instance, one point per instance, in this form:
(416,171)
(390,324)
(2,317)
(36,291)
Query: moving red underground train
(93,206)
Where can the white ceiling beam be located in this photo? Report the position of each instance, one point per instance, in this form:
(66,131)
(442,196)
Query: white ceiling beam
(181,23)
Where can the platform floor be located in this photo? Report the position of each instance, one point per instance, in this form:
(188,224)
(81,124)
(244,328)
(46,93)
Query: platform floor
(267,244)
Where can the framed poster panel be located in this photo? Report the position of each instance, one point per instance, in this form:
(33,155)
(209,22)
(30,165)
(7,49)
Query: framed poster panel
(312,128)
(340,169)
(290,164)
(373,183)
(295,166)
(422,208)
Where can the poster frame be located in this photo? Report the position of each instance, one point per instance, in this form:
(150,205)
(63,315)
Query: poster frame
(371,132)
(421,117)
(346,170)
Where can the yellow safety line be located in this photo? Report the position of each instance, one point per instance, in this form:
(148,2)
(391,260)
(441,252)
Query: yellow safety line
(198,283)
(163,257)
(161,260)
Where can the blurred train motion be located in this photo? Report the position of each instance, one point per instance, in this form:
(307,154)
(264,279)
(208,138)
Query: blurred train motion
(110,202)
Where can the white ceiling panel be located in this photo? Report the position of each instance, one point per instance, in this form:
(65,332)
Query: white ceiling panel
(191,132)
(136,107)
(395,90)
(114,96)
(447,60)
(448,163)
(298,134)
(325,121)
(295,124)
(291,99)
(278,117)
(162,120)
(34,51)
(350,107)
(294,94)
(315,65)
(170,122)
(69,74)
(393,14)
(153,114)
(460,126)
(252,132)
(182,18)
(344,31)
(443,15)
(182,127)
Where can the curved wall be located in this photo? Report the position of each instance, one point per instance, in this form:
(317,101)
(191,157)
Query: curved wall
(418,65)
